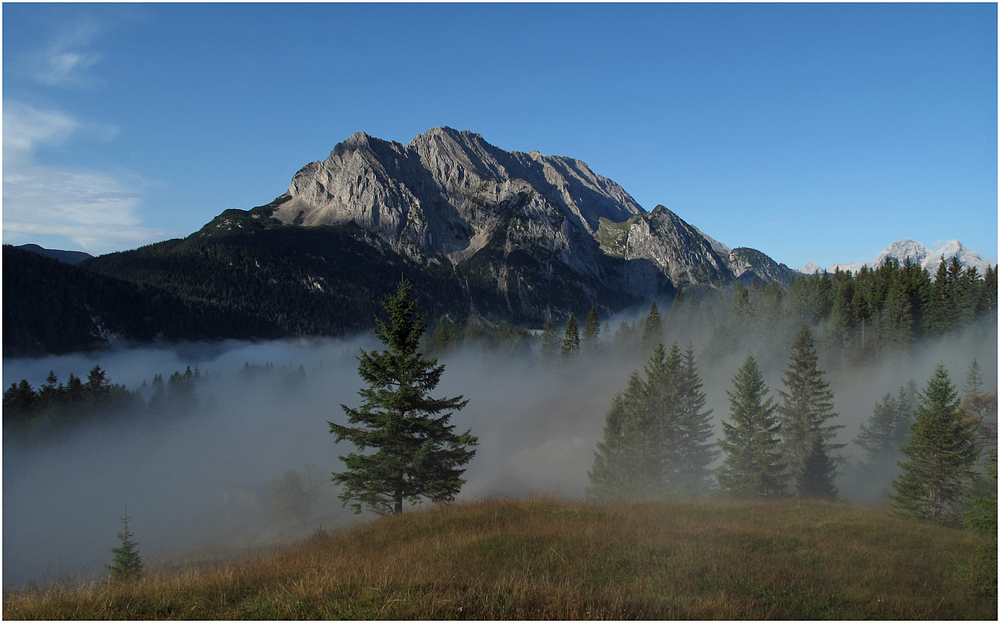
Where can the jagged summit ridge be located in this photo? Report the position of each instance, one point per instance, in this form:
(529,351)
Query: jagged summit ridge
(434,194)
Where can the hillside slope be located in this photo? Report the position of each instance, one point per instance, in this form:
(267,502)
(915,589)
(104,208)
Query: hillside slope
(546,559)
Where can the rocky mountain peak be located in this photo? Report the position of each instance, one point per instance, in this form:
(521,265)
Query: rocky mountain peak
(520,224)
(903,250)
(444,189)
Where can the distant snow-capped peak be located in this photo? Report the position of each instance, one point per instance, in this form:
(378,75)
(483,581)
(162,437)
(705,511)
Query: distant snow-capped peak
(902,251)
(917,253)
(810,268)
(966,257)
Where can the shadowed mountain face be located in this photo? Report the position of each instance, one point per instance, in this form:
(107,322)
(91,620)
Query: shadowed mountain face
(482,233)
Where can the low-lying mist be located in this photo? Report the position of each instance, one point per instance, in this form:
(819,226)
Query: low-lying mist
(191,481)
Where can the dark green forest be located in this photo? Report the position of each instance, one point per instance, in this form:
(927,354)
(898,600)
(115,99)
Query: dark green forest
(854,319)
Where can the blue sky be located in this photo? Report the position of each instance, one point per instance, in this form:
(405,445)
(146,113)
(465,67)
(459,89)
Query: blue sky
(819,132)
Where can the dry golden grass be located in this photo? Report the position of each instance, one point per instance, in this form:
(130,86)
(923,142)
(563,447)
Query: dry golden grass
(542,558)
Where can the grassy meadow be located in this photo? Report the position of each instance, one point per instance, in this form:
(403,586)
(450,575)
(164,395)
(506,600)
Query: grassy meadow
(544,558)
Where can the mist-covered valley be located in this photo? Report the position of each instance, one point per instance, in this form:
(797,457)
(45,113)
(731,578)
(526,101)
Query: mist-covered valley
(193,480)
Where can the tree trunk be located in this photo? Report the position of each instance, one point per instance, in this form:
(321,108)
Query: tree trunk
(399,501)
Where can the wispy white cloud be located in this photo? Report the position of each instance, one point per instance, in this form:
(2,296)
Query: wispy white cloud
(68,59)
(25,128)
(95,209)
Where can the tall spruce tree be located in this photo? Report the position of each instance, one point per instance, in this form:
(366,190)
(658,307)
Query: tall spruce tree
(807,405)
(663,404)
(622,465)
(753,466)
(571,339)
(940,455)
(694,448)
(417,453)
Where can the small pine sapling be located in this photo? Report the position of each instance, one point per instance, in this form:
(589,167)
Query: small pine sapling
(127,562)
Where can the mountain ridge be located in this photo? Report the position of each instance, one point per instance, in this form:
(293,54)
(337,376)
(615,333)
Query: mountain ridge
(447,194)
(486,236)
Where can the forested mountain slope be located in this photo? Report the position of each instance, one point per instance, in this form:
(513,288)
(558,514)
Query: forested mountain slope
(53,307)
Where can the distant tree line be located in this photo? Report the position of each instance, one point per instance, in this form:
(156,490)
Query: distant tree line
(855,318)
(71,402)
(56,406)
(863,316)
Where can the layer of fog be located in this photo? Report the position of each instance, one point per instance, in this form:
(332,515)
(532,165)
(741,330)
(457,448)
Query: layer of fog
(537,426)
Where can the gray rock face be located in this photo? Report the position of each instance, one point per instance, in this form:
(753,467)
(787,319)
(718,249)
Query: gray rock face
(448,192)
(750,265)
(678,249)
(530,235)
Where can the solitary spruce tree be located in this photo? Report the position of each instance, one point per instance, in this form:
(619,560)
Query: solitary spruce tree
(416,452)
(806,406)
(753,465)
(127,562)
(940,455)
